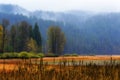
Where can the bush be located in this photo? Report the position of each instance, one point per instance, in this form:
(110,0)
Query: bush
(51,55)
(30,55)
(40,55)
(74,54)
(14,55)
(24,55)
(0,55)
(9,55)
(35,55)
(71,54)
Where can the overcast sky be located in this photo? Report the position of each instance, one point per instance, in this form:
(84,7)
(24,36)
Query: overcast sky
(65,5)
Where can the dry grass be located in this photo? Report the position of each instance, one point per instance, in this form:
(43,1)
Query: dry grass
(11,63)
(18,69)
(99,57)
(8,67)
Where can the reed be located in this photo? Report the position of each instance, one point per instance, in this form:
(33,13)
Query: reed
(61,70)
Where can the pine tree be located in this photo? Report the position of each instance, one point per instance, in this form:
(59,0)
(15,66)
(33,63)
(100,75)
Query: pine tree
(30,32)
(13,38)
(37,37)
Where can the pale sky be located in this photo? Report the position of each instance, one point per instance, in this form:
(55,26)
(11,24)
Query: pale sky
(65,5)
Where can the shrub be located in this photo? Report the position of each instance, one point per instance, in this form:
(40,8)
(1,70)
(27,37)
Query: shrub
(51,55)
(14,55)
(40,55)
(71,54)
(74,54)
(24,55)
(30,55)
(9,55)
(0,55)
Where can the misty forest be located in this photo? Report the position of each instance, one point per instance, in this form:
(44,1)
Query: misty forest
(80,32)
(68,45)
(23,37)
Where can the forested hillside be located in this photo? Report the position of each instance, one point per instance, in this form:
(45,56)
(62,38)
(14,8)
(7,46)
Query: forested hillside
(86,33)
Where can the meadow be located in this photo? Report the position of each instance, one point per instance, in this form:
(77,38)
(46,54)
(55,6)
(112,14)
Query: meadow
(61,68)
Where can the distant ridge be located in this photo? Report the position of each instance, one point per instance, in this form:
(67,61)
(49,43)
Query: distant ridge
(86,32)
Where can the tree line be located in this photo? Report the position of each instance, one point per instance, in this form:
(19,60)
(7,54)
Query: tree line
(24,37)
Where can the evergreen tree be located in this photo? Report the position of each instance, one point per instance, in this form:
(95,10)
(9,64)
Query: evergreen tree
(37,37)
(30,32)
(13,38)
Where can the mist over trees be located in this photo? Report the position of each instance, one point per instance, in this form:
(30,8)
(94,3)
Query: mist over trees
(98,34)
(24,37)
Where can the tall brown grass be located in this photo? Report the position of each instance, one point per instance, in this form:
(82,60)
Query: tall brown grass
(62,70)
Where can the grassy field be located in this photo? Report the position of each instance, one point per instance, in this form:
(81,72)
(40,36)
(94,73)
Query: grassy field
(61,68)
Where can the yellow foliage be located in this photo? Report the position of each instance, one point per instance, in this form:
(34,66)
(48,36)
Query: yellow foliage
(1,29)
(32,46)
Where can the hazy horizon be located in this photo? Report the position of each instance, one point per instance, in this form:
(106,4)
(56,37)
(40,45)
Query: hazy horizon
(67,5)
